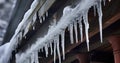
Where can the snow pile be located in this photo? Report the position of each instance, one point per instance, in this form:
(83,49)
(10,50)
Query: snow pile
(71,17)
(3,48)
(68,19)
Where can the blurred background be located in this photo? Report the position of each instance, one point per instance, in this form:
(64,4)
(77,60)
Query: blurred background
(6,9)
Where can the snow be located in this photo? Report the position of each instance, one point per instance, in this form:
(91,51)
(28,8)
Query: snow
(43,18)
(3,48)
(67,20)
(67,10)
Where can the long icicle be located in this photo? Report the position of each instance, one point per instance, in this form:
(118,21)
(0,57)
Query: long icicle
(71,33)
(43,17)
(76,32)
(99,11)
(63,43)
(46,13)
(104,2)
(85,18)
(40,19)
(55,46)
(36,57)
(32,58)
(94,7)
(58,49)
(46,50)
(81,29)
(51,48)
(34,18)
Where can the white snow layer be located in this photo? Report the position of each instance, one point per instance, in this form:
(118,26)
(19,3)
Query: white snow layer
(3,48)
(67,20)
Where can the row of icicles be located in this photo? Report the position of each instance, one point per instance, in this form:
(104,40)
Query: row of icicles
(72,27)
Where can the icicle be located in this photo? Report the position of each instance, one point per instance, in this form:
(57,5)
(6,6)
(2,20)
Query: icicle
(76,33)
(51,48)
(46,14)
(99,11)
(34,18)
(33,27)
(43,18)
(36,57)
(32,58)
(40,20)
(20,35)
(46,50)
(39,15)
(104,2)
(58,49)
(71,33)
(80,27)
(54,21)
(63,43)
(25,36)
(85,18)
(94,7)
(17,56)
(55,45)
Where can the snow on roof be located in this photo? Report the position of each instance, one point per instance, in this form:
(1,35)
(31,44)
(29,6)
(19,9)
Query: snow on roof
(3,48)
